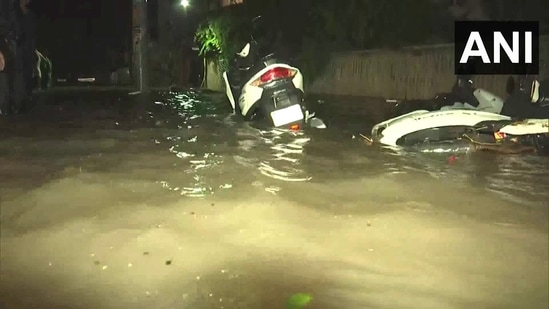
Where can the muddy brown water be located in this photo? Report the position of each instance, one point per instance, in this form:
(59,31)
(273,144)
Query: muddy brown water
(167,201)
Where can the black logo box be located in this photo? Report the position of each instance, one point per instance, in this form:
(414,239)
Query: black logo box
(486,29)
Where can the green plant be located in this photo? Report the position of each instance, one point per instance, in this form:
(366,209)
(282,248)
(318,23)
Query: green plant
(324,27)
(217,40)
(299,301)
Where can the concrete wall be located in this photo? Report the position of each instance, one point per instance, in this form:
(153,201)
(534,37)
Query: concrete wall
(214,80)
(409,73)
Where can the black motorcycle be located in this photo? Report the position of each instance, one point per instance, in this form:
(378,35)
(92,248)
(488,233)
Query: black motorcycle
(462,91)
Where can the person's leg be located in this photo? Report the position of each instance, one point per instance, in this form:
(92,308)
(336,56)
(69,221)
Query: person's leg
(18,92)
(29,84)
(5,67)
(4,93)
(47,75)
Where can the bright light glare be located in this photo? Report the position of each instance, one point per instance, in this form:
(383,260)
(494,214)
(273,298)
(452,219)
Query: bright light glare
(184,3)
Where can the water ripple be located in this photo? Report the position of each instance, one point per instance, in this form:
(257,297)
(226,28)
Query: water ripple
(280,152)
(207,135)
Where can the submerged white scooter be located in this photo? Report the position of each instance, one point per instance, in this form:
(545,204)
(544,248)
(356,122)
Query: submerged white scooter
(454,122)
(424,125)
(265,88)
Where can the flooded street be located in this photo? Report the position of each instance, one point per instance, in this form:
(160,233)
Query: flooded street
(167,201)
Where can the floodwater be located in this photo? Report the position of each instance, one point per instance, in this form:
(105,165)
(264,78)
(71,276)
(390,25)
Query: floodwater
(167,201)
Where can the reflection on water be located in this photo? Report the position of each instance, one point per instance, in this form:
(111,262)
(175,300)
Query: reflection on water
(281,152)
(519,178)
(174,203)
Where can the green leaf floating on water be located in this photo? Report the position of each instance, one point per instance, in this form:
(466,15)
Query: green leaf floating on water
(298,301)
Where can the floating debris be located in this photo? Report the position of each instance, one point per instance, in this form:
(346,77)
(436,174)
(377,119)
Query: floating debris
(272,189)
(452,159)
(368,140)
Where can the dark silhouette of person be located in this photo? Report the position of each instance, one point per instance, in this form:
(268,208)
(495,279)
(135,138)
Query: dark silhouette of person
(530,100)
(510,85)
(8,36)
(26,47)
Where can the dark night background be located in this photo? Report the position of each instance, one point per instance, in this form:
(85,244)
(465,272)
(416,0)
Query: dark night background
(91,36)
(79,34)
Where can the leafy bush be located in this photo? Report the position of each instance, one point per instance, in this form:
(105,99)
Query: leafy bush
(322,28)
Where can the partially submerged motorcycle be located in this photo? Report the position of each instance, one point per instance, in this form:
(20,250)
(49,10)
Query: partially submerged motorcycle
(459,125)
(265,88)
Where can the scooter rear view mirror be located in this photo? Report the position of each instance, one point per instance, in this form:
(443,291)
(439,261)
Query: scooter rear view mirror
(254,26)
(255,19)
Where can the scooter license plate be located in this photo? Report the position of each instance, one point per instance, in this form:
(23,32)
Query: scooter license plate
(287,115)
